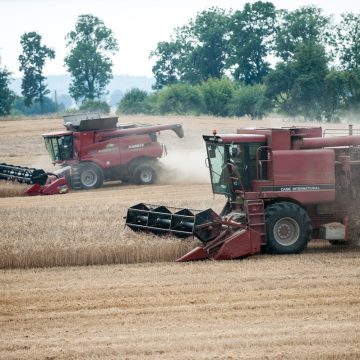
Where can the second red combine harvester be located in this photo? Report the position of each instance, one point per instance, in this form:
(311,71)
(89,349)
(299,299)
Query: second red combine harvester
(283,186)
(94,149)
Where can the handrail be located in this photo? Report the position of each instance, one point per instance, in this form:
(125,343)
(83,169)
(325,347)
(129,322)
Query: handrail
(341,132)
(259,162)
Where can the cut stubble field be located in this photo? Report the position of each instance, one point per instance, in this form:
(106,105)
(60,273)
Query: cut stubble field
(145,305)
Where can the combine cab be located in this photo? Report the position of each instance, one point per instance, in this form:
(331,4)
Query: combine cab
(283,187)
(95,149)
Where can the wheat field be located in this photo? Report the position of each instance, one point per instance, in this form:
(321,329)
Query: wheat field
(129,299)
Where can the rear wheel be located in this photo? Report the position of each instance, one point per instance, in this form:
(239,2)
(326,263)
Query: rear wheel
(144,174)
(91,176)
(288,228)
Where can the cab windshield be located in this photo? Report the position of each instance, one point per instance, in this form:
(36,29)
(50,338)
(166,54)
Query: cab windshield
(216,156)
(232,166)
(60,148)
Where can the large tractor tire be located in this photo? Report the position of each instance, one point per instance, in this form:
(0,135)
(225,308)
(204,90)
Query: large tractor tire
(91,176)
(288,228)
(144,174)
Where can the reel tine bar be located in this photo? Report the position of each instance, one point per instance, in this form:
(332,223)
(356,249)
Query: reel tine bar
(23,174)
(160,220)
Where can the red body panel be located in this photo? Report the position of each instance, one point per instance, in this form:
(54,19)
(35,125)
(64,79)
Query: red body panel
(198,253)
(241,243)
(53,187)
(307,176)
(114,151)
(303,167)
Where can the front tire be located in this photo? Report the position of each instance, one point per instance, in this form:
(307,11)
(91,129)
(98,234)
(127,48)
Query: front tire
(91,176)
(288,228)
(144,174)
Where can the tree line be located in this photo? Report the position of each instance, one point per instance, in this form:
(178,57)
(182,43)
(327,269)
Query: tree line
(260,59)
(226,63)
(91,45)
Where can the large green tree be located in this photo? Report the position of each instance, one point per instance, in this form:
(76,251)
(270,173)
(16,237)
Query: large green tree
(91,44)
(250,100)
(252,31)
(196,52)
(217,95)
(306,24)
(336,93)
(6,95)
(348,47)
(49,106)
(167,68)
(208,38)
(348,41)
(298,86)
(133,102)
(180,99)
(32,61)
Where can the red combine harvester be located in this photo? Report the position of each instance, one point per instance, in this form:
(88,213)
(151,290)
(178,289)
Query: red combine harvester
(283,186)
(93,149)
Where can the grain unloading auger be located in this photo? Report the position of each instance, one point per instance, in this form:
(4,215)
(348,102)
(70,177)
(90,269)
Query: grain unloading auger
(283,187)
(42,183)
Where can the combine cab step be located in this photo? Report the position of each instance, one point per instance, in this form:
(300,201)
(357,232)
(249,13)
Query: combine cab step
(74,178)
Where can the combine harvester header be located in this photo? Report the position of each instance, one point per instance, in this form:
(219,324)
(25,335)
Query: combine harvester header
(43,183)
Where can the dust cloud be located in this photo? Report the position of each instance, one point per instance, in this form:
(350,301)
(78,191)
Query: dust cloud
(184,167)
(44,162)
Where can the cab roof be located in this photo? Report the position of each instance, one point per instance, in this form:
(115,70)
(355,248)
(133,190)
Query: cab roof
(236,138)
(59,133)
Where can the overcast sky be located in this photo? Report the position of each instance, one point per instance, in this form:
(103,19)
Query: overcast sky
(138,25)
